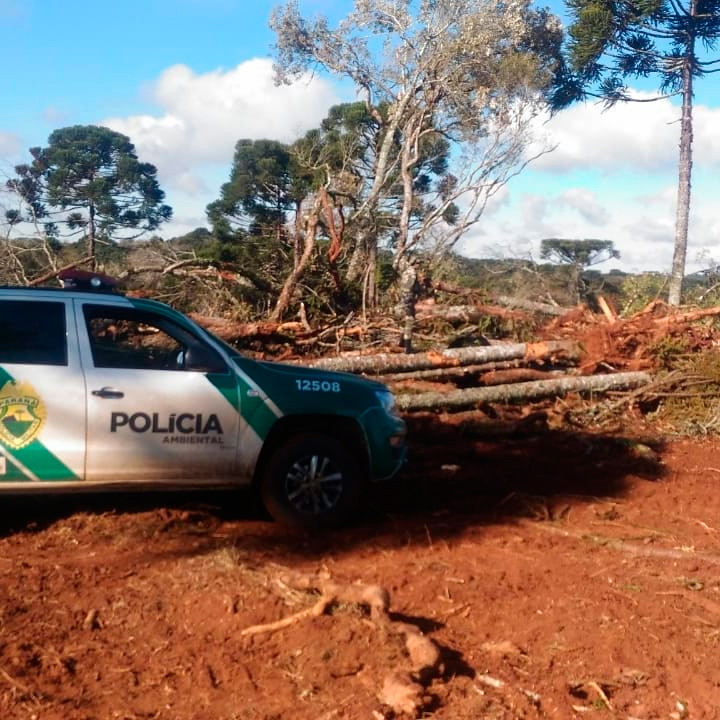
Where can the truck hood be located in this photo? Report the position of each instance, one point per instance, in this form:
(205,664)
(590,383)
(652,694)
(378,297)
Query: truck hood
(295,371)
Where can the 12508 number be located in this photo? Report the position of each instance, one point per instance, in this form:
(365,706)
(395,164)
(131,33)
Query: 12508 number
(317,386)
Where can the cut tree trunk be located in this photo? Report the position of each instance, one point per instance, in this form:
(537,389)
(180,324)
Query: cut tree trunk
(502,377)
(393,362)
(407,285)
(466,371)
(458,399)
(484,376)
(458,314)
(531,305)
(686,317)
(231,330)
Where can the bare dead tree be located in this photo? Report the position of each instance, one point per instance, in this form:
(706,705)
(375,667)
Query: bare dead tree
(470,73)
(26,249)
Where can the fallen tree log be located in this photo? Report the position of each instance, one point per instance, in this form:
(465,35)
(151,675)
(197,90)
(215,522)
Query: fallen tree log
(608,310)
(465,371)
(531,305)
(456,357)
(690,316)
(452,289)
(506,300)
(54,273)
(477,378)
(459,314)
(458,399)
(504,377)
(197,267)
(232,330)
(474,371)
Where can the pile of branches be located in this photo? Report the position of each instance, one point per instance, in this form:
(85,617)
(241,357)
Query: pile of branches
(640,360)
(297,338)
(653,361)
(652,339)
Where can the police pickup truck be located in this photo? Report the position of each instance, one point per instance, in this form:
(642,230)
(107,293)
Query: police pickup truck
(99,390)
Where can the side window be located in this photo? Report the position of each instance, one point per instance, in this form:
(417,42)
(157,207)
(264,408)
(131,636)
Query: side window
(33,332)
(137,340)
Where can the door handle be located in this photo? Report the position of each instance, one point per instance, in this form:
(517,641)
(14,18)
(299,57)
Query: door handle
(108,392)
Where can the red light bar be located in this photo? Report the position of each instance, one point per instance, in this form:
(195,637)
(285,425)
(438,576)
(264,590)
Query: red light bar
(86,280)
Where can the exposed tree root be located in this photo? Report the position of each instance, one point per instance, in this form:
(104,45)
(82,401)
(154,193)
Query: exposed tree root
(315,611)
(404,687)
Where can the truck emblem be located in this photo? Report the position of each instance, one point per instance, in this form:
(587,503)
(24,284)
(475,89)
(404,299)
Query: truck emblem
(22,414)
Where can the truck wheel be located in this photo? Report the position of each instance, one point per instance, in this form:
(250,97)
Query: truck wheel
(312,481)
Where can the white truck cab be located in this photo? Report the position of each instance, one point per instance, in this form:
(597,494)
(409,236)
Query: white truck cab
(101,390)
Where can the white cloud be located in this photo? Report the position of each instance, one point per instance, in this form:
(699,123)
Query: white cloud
(10,144)
(191,184)
(499,199)
(586,203)
(641,226)
(204,115)
(631,136)
(613,176)
(661,201)
(633,147)
(706,134)
(534,209)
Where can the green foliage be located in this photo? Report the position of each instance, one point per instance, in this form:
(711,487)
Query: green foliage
(527,280)
(88,181)
(672,41)
(581,253)
(668,350)
(611,43)
(448,86)
(637,291)
(196,239)
(265,183)
(251,219)
(703,288)
(341,153)
(689,405)
(578,254)
(259,220)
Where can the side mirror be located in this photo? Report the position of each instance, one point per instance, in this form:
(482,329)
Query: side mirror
(203,359)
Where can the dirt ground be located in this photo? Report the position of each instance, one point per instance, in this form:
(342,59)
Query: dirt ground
(557,575)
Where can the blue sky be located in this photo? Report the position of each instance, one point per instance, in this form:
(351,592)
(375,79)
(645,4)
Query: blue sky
(186,78)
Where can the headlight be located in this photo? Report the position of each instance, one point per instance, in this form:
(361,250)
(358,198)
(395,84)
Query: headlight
(387,402)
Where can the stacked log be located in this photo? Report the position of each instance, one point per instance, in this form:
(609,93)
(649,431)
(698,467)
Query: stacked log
(521,382)
(584,352)
(523,391)
(382,363)
(580,352)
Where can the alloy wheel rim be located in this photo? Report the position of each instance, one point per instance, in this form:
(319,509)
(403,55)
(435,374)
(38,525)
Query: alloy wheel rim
(314,484)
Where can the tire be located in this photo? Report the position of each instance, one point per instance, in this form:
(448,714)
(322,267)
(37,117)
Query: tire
(312,481)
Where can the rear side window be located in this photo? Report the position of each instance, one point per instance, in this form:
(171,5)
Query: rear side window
(32,333)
